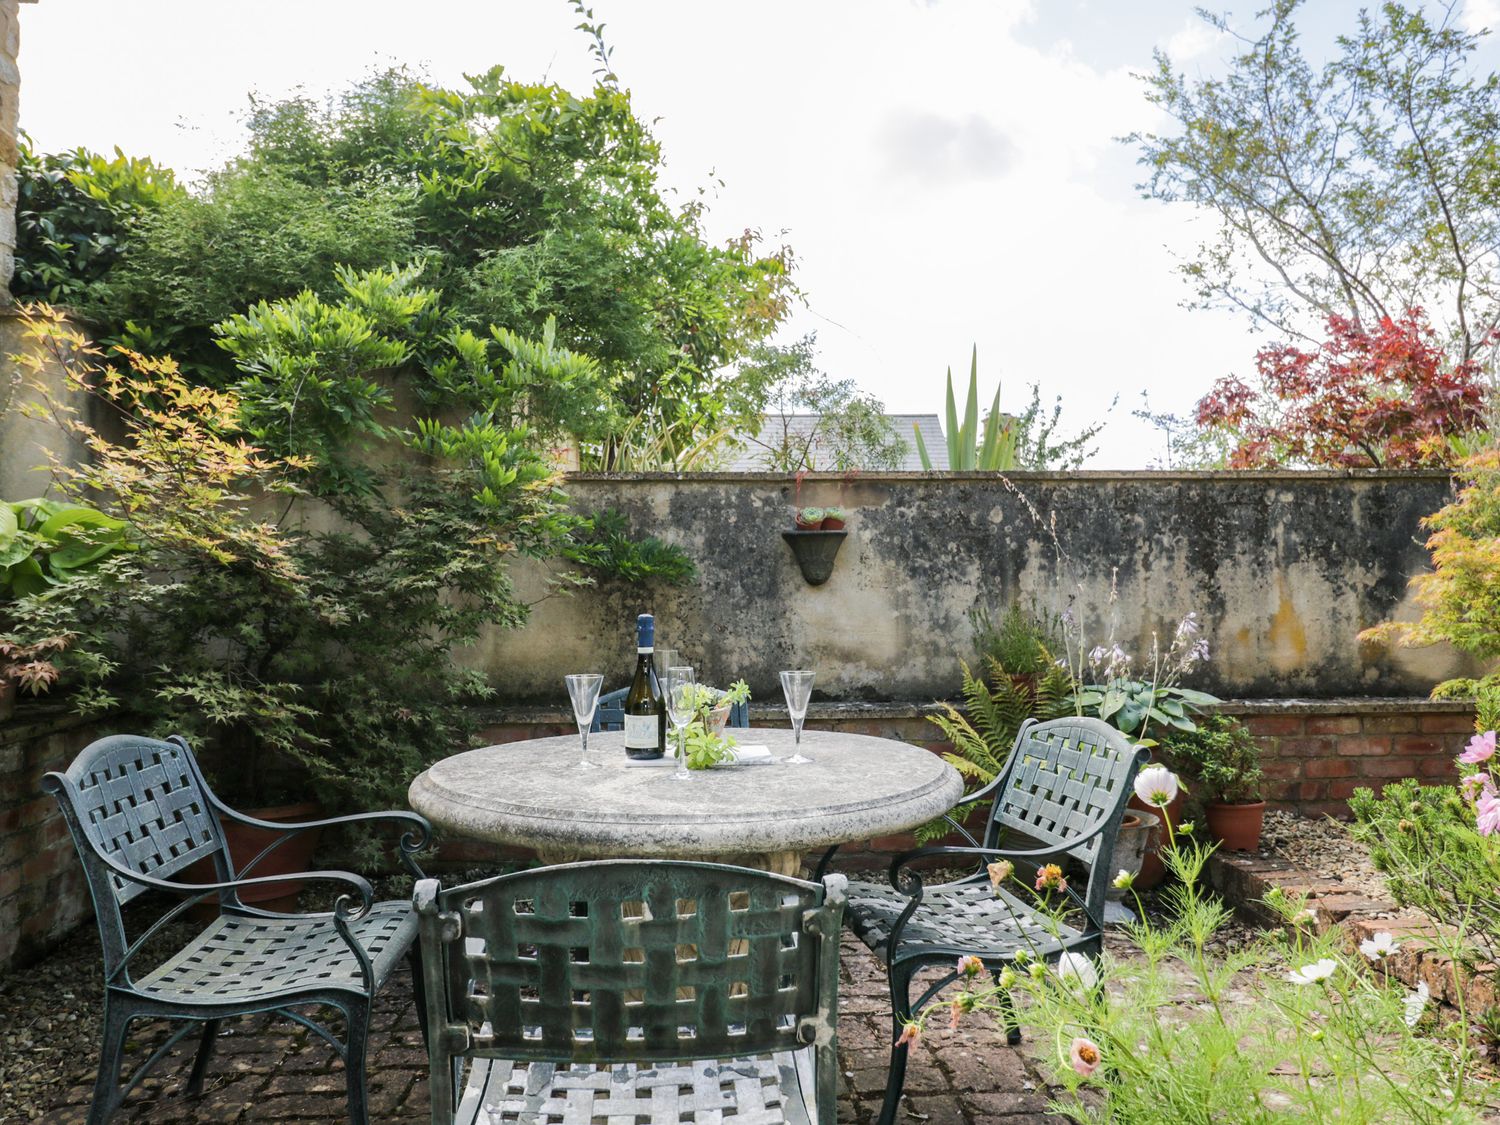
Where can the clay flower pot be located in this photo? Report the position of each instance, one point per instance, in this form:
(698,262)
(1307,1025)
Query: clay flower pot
(1136,833)
(1236,826)
(718,719)
(1153,870)
(832,523)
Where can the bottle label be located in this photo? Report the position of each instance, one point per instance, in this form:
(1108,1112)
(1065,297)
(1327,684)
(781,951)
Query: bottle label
(640,732)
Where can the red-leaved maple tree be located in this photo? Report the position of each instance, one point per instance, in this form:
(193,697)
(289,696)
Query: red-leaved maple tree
(1365,398)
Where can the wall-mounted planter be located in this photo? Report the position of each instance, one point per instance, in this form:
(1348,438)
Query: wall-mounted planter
(815,552)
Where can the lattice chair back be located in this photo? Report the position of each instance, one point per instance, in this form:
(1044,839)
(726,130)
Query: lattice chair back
(1064,778)
(144,804)
(630,961)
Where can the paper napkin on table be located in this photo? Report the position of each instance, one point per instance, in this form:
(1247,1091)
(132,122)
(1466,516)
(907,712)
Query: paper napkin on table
(751,754)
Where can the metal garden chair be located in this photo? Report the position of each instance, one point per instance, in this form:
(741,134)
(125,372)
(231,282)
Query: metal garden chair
(140,811)
(610,714)
(1062,793)
(646,992)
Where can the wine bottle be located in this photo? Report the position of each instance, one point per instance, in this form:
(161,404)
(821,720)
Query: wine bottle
(645,708)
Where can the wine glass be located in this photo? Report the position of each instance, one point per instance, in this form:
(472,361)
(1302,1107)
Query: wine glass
(797,687)
(679,693)
(665,659)
(583,690)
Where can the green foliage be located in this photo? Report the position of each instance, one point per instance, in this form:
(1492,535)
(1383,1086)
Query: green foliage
(44,543)
(603,543)
(1220,754)
(1424,841)
(253,234)
(1460,595)
(1130,705)
(706,745)
(1028,440)
(1357,186)
(74,214)
(1193,1028)
(966,450)
(526,206)
(299,653)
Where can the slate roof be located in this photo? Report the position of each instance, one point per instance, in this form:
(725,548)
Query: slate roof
(750,458)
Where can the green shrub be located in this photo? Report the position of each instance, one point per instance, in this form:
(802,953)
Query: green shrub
(1220,754)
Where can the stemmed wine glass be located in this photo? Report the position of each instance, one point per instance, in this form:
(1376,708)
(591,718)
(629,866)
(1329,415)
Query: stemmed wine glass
(679,693)
(583,690)
(797,687)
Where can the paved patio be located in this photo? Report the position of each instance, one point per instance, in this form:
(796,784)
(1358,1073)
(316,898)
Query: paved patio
(273,1071)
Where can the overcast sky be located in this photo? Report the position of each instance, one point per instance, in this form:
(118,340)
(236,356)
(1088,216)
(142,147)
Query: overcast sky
(947,172)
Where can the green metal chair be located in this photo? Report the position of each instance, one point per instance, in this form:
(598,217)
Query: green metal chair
(140,811)
(627,990)
(1062,793)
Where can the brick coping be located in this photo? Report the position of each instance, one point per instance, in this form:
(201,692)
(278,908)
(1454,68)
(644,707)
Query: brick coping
(862,711)
(1244,880)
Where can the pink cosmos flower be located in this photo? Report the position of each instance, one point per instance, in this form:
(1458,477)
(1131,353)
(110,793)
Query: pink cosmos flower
(1487,818)
(1481,748)
(969,965)
(1475,784)
(1085,1055)
(909,1035)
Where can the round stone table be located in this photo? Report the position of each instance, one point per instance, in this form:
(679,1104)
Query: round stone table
(753,815)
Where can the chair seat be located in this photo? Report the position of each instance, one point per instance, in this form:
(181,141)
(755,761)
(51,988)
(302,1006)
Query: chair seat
(246,958)
(955,919)
(756,1090)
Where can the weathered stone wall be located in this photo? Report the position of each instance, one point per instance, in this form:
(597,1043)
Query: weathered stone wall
(10,108)
(30,437)
(1283,569)
(42,890)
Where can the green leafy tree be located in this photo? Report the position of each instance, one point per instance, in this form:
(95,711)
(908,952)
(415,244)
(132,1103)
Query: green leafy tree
(522,203)
(74,214)
(1357,187)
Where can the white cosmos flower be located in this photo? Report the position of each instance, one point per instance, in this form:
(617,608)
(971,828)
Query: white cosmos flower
(1071,965)
(1416,1004)
(1379,947)
(1318,970)
(1156,785)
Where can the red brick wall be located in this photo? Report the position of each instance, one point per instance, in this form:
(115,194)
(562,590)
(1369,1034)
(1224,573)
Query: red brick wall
(42,890)
(1315,755)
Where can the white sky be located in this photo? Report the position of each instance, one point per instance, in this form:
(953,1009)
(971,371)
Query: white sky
(946,171)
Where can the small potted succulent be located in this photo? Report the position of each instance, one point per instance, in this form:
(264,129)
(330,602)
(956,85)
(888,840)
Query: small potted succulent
(833,519)
(1224,758)
(809,519)
(707,744)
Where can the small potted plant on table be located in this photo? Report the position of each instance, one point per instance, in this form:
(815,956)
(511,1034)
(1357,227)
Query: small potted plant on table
(707,744)
(1224,758)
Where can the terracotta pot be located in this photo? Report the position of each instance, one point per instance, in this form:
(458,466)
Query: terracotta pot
(831,523)
(718,719)
(245,843)
(1136,833)
(1236,826)
(803,525)
(1153,870)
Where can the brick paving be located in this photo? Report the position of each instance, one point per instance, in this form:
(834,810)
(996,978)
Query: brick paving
(270,1070)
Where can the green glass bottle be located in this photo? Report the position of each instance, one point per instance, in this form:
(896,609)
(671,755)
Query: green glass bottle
(645,707)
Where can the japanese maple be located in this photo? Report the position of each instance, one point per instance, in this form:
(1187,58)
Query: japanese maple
(1365,398)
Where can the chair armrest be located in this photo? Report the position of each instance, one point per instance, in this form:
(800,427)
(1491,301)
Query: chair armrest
(417,836)
(916,854)
(359,884)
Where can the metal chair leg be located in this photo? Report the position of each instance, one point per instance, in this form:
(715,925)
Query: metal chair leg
(107,1092)
(419,989)
(1009,1019)
(896,1078)
(205,1053)
(356,1043)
